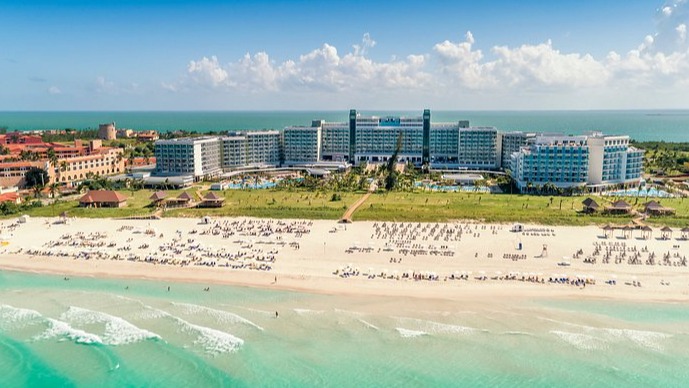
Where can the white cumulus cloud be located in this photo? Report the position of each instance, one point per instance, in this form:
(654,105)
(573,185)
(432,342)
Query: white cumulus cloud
(322,69)
(54,90)
(450,69)
(207,71)
(682,32)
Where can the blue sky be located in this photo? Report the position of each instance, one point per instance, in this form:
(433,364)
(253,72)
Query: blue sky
(169,55)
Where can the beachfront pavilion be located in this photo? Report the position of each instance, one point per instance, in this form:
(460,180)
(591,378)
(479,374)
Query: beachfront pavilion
(103,198)
(212,200)
(619,207)
(183,200)
(666,233)
(590,206)
(656,209)
(157,198)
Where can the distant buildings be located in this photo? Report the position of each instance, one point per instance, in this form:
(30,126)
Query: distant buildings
(101,161)
(107,131)
(65,164)
(594,160)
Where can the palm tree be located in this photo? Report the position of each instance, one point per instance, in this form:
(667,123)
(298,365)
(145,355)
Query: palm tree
(130,160)
(529,186)
(52,157)
(53,187)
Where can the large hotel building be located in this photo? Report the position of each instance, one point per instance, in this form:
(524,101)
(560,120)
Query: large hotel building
(593,160)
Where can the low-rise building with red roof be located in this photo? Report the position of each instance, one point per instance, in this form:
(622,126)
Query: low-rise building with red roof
(103,198)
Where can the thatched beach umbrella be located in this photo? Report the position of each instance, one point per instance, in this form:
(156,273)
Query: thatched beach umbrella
(608,230)
(627,231)
(646,232)
(666,233)
(685,233)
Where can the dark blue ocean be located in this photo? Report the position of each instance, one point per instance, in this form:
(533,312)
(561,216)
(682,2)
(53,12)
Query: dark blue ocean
(668,125)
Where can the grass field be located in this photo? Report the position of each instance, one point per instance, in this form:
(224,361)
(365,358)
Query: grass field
(431,207)
(395,206)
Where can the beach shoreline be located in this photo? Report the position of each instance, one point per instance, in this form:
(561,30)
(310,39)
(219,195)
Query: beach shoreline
(302,264)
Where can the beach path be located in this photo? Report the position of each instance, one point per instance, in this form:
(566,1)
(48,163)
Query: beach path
(347,217)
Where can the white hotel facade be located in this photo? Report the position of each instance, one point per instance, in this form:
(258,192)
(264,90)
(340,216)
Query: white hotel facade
(593,160)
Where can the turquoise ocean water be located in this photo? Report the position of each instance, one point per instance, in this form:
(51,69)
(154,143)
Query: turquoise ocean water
(88,332)
(641,125)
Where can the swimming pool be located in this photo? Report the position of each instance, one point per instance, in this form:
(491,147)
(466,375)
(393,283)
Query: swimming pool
(455,189)
(648,192)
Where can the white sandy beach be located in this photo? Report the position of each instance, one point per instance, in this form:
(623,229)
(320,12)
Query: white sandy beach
(395,259)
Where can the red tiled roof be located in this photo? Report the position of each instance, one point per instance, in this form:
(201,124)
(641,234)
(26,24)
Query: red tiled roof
(21,164)
(12,197)
(102,196)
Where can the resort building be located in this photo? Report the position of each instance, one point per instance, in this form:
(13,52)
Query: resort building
(478,148)
(444,145)
(302,145)
(101,161)
(613,161)
(511,142)
(70,166)
(593,161)
(334,141)
(200,157)
(207,157)
(12,173)
(559,160)
(251,149)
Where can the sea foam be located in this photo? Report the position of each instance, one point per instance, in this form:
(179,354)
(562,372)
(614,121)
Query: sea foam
(432,327)
(63,329)
(407,333)
(304,312)
(221,316)
(368,324)
(11,317)
(647,339)
(579,340)
(117,330)
(213,341)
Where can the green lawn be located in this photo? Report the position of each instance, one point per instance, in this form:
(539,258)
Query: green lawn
(500,208)
(395,206)
(276,204)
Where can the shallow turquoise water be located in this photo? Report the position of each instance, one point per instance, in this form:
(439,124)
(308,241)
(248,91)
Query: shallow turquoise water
(111,336)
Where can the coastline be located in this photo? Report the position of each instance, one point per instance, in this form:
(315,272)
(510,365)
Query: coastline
(308,270)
